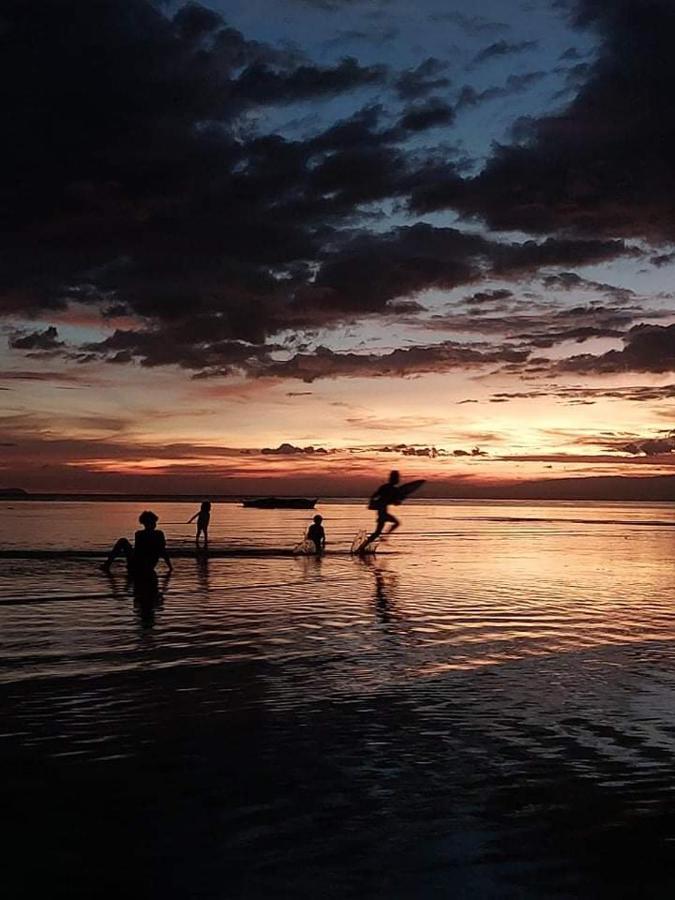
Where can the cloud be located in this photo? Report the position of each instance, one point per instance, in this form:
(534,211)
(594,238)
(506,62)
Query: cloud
(571,281)
(423,116)
(421,80)
(662,259)
(502,48)
(491,296)
(576,394)
(262,85)
(469,97)
(376,36)
(475,451)
(37,340)
(472,25)
(152,188)
(286,449)
(648,348)
(649,446)
(606,163)
(400,363)
(336,5)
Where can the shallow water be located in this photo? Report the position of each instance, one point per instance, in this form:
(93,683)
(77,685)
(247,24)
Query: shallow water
(483,709)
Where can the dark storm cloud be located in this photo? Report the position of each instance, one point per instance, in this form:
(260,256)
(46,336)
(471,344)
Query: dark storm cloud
(489,296)
(174,346)
(376,36)
(648,348)
(472,25)
(361,277)
(662,259)
(502,48)
(445,357)
(134,180)
(262,85)
(36,340)
(125,178)
(422,80)
(570,55)
(423,116)
(372,269)
(469,97)
(541,326)
(337,5)
(570,281)
(606,164)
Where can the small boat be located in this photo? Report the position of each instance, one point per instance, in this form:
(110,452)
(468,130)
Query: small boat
(280,503)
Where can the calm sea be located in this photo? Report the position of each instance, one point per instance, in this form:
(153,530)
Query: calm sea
(485,708)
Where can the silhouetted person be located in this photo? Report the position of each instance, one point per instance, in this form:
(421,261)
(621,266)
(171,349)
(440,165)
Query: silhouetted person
(203,518)
(317,535)
(383,497)
(148,548)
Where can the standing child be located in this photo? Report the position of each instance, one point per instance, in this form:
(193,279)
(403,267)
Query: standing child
(203,518)
(317,535)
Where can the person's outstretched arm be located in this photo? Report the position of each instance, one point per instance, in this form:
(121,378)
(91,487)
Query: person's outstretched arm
(193,518)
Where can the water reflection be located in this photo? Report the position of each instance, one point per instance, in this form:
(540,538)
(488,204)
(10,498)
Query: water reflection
(385,583)
(202,570)
(149,596)
(477,709)
(146,592)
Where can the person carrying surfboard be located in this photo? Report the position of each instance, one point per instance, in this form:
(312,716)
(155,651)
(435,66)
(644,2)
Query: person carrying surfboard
(386,495)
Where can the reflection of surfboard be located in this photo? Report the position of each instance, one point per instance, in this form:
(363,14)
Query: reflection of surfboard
(305,548)
(403,492)
(361,545)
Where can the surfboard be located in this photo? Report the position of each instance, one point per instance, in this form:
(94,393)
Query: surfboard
(405,490)
(361,544)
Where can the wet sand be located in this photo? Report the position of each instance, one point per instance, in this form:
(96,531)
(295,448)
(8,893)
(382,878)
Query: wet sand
(485,712)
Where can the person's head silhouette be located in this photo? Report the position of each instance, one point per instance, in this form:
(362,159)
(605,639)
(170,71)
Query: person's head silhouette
(394,477)
(317,520)
(148,520)
(206,506)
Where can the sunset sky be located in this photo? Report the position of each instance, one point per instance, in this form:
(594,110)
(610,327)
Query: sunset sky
(288,245)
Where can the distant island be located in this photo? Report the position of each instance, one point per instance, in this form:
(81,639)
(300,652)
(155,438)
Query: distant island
(13,494)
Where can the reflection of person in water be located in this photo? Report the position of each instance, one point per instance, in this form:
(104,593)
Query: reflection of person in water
(203,518)
(148,548)
(317,535)
(383,497)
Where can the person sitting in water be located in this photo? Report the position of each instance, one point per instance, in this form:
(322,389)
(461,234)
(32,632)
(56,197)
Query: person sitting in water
(317,535)
(203,518)
(383,497)
(149,547)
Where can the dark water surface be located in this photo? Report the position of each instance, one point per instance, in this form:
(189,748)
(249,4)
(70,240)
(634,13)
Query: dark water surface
(485,709)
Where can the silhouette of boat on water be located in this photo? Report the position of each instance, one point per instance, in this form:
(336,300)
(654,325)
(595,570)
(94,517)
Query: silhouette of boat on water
(279,503)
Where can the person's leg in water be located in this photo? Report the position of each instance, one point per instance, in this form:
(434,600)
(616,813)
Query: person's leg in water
(382,518)
(394,525)
(122,548)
